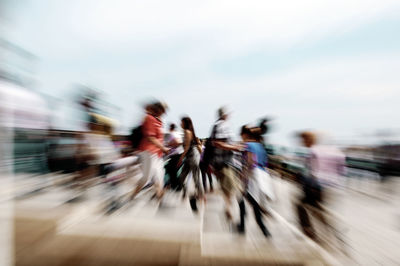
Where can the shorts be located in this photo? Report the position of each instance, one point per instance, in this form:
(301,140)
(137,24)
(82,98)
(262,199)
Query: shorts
(228,180)
(152,168)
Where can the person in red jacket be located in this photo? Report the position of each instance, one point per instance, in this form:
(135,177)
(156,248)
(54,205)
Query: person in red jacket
(151,150)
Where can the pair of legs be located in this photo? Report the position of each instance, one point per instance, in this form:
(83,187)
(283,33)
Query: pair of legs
(206,172)
(198,193)
(172,171)
(313,197)
(305,222)
(152,168)
(257,214)
(226,177)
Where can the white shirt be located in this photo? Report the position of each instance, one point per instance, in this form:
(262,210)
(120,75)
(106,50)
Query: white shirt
(223,130)
(175,135)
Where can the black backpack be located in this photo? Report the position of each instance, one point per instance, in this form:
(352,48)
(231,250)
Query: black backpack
(136,137)
(209,149)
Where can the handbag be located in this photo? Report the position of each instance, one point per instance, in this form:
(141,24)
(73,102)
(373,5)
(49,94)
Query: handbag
(264,182)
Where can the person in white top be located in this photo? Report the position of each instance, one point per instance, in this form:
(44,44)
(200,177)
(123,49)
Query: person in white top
(222,159)
(173,140)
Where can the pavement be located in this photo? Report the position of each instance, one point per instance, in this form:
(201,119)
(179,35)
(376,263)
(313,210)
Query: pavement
(49,231)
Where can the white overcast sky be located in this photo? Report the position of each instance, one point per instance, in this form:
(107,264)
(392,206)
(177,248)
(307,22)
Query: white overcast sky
(326,65)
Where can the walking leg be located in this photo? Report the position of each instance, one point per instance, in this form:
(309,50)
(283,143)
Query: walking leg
(242,208)
(258,215)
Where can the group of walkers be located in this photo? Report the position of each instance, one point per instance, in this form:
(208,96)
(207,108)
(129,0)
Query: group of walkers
(190,163)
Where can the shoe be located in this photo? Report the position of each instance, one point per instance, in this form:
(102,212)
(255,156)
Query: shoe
(228,216)
(113,206)
(193,204)
(266,233)
(240,229)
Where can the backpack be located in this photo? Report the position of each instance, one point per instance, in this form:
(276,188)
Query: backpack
(217,160)
(209,149)
(136,137)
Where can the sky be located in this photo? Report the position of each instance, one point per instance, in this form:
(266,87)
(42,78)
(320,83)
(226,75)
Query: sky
(332,66)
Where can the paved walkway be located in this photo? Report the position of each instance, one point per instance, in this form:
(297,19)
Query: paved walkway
(47,230)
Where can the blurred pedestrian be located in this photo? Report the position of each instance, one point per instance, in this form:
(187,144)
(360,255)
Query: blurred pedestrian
(151,150)
(221,159)
(173,141)
(313,192)
(190,159)
(253,170)
(97,151)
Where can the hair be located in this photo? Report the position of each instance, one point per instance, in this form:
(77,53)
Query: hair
(245,130)
(172,126)
(149,108)
(252,132)
(308,136)
(257,133)
(188,125)
(221,112)
(263,126)
(159,108)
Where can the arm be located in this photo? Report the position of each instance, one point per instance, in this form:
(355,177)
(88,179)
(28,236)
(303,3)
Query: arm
(174,144)
(226,146)
(150,132)
(199,147)
(247,166)
(157,143)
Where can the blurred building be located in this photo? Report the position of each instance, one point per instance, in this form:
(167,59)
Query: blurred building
(24,115)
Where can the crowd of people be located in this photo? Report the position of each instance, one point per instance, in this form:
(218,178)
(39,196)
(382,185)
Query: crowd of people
(186,164)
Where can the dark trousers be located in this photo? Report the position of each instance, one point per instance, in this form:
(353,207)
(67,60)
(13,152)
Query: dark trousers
(204,168)
(193,167)
(313,195)
(172,170)
(257,213)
